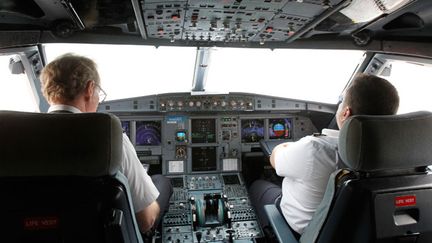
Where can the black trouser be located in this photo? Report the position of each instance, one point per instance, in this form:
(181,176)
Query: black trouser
(261,193)
(164,186)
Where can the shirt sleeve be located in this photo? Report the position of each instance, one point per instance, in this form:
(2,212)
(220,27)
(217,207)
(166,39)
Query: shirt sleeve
(296,160)
(143,191)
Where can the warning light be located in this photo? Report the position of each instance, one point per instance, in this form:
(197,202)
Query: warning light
(175,17)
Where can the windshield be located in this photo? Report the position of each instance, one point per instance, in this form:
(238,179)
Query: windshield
(313,75)
(130,71)
(414,95)
(15,89)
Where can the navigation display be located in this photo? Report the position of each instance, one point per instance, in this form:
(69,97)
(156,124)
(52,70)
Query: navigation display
(203,131)
(252,130)
(203,158)
(148,133)
(280,128)
(126,127)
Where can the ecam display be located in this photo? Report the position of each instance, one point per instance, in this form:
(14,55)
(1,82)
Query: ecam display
(203,158)
(203,131)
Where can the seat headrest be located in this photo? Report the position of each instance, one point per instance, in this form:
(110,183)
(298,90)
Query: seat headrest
(374,143)
(40,144)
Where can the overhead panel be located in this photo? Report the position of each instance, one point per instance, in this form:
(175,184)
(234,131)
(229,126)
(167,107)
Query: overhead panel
(230,20)
(224,25)
(164,20)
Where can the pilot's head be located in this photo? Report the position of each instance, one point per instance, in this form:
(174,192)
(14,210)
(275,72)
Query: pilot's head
(368,95)
(72,80)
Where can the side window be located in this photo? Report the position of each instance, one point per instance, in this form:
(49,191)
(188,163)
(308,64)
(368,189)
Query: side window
(413,82)
(15,91)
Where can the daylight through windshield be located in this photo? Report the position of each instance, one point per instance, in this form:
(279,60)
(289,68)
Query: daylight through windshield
(131,71)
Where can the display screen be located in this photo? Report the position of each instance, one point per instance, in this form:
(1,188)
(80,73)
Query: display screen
(177,182)
(203,158)
(180,136)
(252,130)
(231,179)
(126,127)
(148,132)
(280,128)
(203,131)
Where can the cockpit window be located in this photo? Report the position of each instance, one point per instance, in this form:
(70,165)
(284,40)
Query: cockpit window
(314,75)
(15,89)
(413,82)
(130,71)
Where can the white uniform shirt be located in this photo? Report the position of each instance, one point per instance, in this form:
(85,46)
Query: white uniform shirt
(143,191)
(306,166)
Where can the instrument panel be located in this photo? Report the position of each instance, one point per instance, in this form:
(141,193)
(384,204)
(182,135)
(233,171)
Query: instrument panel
(184,143)
(204,144)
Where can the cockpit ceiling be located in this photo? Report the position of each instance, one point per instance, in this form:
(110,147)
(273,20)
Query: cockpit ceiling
(222,22)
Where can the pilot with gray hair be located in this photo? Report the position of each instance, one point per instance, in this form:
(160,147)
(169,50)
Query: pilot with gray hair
(71,84)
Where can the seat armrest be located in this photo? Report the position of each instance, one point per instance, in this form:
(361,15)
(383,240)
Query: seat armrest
(279,225)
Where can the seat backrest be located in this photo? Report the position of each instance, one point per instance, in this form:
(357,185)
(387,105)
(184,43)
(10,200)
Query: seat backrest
(384,193)
(59,179)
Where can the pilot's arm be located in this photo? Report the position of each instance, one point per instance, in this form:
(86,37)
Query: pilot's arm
(143,191)
(294,159)
(147,217)
(275,150)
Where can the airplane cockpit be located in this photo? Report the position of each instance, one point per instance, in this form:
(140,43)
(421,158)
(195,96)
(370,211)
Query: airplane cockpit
(209,145)
(204,90)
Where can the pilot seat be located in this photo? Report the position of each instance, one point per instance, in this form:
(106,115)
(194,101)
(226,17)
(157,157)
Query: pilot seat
(60,179)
